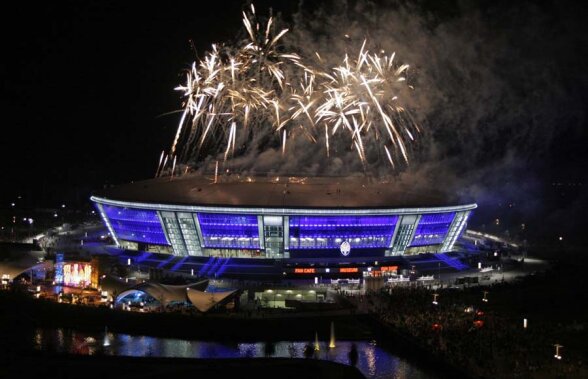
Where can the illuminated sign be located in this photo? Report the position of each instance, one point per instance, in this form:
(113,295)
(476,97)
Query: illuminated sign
(389,268)
(59,268)
(77,274)
(345,248)
(348,269)
(304,271)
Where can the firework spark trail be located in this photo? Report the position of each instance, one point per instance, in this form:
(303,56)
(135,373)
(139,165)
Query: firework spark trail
(254,88)
(159,164)
(283,142)
(164,163)
(173,167)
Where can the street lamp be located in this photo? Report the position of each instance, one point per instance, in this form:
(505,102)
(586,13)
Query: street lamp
(557,354)
(30,221)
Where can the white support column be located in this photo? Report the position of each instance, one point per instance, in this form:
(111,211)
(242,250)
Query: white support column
(107,223)
(396,228)
(416,225)
(286,230)
(162,224)
(174,233)
(459,222)
(198,230)
(261,232)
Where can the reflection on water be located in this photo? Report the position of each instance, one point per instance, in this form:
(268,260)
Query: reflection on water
(373,361)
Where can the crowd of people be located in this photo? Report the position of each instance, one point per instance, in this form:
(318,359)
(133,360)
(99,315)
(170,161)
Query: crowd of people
(482,335)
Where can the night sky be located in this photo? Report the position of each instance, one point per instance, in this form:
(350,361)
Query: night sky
(87,87)
(88,99)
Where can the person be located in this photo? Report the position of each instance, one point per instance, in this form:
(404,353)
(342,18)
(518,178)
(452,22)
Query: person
(308,350)
(353,355)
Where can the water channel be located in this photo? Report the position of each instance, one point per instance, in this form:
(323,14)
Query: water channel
(374,361)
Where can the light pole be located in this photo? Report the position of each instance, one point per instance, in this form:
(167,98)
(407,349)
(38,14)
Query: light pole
(557,354)
(30,220)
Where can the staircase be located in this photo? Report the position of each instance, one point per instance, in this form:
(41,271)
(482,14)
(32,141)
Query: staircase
(452,262)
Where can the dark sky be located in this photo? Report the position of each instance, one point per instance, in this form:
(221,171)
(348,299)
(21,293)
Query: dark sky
(87,88)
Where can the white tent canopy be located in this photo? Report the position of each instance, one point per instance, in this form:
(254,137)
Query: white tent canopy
(164,293)
(16,259)
(204,301)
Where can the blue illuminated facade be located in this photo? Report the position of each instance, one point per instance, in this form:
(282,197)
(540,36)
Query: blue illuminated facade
(229,231)
(432,229)
(137,225)
(329,232)
(284,233)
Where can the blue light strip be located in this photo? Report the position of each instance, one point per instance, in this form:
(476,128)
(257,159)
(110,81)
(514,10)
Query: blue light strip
(328,232)
(432,229)
(283,211)
(138,225)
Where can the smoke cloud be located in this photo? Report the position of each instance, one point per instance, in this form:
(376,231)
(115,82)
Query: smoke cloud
(494,84)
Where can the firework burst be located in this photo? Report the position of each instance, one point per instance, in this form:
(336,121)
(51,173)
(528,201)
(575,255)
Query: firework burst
(361,97)
(257,88)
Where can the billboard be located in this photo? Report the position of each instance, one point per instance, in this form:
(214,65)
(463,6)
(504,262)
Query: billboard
(76,274)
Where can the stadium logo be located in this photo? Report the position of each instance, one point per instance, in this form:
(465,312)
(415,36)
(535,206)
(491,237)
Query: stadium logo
(345,248)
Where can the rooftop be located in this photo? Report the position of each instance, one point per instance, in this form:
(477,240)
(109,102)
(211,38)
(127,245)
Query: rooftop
(278,192)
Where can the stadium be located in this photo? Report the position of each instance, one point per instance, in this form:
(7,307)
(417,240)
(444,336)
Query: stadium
(259,227)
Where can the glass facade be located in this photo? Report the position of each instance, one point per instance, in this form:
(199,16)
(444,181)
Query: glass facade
(138,225)
(188,228)
(273,235)
(403,237)
(329,232)
(432,229)
(281,233)
(457,227)
(229,231)
(174,234)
